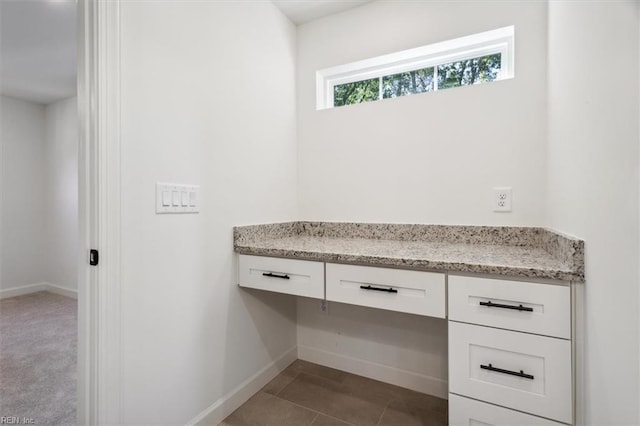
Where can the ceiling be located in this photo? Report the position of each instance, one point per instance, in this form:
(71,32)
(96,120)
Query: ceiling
(301,11)
(38,49)
(38,43)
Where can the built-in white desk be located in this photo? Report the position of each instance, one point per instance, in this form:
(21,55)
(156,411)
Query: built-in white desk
(507,294)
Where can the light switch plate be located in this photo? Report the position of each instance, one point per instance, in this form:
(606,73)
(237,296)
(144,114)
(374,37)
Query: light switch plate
(174,198)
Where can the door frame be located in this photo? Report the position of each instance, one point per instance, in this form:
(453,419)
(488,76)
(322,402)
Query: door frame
(99,332)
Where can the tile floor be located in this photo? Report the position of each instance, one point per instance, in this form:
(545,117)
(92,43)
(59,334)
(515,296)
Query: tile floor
(307,394)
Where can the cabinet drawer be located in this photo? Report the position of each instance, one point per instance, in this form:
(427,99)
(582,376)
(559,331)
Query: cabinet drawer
(517,370)
(546,308)
(415,292)
(299,277)
(469,412)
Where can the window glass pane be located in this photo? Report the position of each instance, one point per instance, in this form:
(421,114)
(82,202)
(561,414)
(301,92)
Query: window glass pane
(356,92)
(469,71)
(407,83)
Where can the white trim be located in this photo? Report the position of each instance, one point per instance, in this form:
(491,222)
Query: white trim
(62,291)
(578,351)
(230,402)
(99,346)
(384,373)
(22,290)
(500,40)
(35,288)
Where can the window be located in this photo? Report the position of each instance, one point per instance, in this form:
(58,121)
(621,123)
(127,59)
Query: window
(475,59)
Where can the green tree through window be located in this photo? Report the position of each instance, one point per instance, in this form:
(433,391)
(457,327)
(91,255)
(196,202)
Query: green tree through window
(466,72)
(356,92)
(407,83)
(469,71)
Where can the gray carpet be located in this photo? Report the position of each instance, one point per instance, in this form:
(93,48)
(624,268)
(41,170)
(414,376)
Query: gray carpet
(38,350)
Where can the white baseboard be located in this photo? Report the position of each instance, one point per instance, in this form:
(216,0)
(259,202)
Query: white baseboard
(34,288)
(62,291)
(396,376)
(23,289)
(228,403)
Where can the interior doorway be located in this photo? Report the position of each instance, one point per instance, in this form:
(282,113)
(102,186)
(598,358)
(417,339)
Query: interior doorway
(40,211)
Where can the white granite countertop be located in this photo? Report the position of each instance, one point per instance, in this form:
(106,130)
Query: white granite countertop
(509,251)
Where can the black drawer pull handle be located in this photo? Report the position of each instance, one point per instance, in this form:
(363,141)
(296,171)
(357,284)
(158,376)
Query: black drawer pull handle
(512,373)
(271,274)
(490,304)
(388,290)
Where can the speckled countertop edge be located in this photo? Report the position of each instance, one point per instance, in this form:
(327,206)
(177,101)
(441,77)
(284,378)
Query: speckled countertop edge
(550,254)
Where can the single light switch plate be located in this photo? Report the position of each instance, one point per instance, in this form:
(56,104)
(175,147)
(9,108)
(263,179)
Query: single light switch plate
(174,198)
(502,199)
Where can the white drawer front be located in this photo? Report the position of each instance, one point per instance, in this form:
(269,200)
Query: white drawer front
(469,412)
(299,277)
(480,359)
(415,292)
(545,308)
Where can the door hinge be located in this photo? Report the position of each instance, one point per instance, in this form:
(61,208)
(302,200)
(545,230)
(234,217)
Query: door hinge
(94,257)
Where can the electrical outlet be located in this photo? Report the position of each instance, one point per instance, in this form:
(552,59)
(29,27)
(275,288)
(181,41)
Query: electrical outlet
(502,199)
(324,307)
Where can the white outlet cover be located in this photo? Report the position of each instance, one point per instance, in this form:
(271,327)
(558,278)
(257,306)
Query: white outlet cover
(502,199)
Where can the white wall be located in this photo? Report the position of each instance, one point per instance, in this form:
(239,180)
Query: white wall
(61,194)
(207,98)
(431,158)
(39,196)
(593,187)
(406,350)
(23,206)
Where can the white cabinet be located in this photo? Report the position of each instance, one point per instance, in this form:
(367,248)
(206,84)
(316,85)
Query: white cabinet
(414,292)
(522,371)
(515,305)
(509,346)
(470,412)
(291,276)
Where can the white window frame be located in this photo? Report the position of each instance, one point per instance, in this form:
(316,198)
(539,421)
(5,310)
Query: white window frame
(486,43)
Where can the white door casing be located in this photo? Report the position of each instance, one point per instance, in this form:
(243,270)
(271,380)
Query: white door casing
(99,373)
